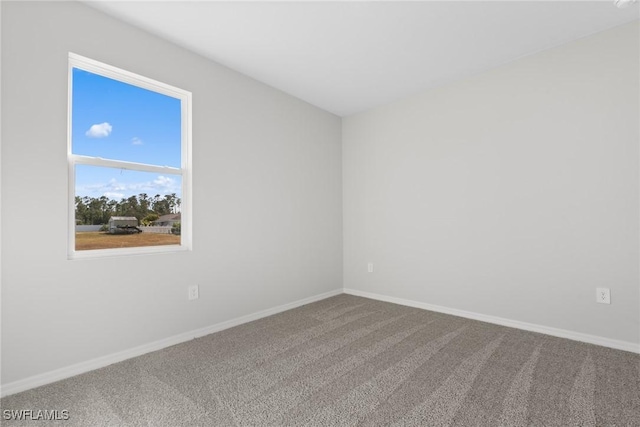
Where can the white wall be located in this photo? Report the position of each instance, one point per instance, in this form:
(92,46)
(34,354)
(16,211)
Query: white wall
(267,199)
(512,194)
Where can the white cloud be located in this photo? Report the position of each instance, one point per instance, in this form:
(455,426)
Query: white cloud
(116,190)
(167,185)
(113,196)
(136,141)
(101,130)
(164,182)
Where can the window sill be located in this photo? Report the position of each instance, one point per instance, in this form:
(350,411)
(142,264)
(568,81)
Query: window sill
(126,252)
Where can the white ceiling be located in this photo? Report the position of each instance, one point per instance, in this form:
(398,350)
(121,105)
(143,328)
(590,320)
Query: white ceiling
(346,57)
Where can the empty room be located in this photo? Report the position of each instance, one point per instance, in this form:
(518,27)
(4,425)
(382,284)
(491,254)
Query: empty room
(330,213)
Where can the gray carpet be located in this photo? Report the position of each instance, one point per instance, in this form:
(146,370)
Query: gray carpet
(353,361)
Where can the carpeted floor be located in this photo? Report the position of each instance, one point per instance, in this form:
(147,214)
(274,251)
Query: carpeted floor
(353,361)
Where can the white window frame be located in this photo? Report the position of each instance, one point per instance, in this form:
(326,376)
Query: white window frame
(83,63)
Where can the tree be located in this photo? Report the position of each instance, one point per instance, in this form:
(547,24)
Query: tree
(176,228)
(94,211)
(143,200)
(150,218)
(81,211)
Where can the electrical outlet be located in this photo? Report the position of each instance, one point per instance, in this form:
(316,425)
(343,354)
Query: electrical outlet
(193,292)
(370,267)
(603,295)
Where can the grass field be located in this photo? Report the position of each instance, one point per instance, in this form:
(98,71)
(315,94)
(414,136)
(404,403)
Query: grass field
(97,240)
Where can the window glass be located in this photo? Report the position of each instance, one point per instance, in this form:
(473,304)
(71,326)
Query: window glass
(129,162)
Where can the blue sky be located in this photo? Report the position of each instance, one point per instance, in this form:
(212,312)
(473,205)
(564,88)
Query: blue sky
(115,120)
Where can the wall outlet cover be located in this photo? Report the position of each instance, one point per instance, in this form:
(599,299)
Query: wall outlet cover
(603,295)
(194,292)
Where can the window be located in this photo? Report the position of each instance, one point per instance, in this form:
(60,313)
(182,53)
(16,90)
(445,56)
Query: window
(128,150)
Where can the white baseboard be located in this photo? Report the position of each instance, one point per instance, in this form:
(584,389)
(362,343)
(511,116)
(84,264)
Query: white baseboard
(562,333)
(101,362)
